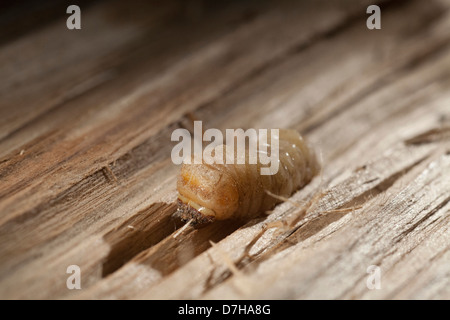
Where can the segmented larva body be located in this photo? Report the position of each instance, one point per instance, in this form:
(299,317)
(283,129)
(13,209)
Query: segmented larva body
(208,192)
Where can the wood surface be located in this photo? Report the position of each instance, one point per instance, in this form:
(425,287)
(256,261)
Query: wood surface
(86,176)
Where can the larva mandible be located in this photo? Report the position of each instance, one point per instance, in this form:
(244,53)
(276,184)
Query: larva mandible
(208,192)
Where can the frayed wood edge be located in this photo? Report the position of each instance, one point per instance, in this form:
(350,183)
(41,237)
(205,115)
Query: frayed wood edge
(240,285)
(226,259)
(181,230)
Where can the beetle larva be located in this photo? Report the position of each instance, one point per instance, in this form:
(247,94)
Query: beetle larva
(208,192)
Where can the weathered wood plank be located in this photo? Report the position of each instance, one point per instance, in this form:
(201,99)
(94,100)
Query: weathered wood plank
(94,184)
(91,142)
(420,115)
(152,101)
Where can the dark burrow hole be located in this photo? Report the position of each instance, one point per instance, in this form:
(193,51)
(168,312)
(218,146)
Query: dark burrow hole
(147,237)
(138,233)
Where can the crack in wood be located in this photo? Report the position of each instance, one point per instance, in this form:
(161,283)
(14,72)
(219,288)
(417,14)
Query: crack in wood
(137,234)
(82,215)
(405,233)
(309,228)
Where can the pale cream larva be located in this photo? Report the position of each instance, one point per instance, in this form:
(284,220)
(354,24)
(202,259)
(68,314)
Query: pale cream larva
(208,192)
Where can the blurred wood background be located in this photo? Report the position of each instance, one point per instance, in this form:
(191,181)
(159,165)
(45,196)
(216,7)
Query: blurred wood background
(85,171)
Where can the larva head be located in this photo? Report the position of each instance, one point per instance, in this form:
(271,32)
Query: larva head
(206,194)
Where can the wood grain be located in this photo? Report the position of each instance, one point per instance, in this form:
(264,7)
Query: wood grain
(85,170)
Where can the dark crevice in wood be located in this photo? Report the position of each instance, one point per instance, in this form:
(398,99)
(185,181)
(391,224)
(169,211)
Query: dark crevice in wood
(431,136)
(49,111)
(311,227)
(405,233)
(248,77)
(171,254)
(147,236)
(318,222)
(381,187)
(138,233)
(213,279)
